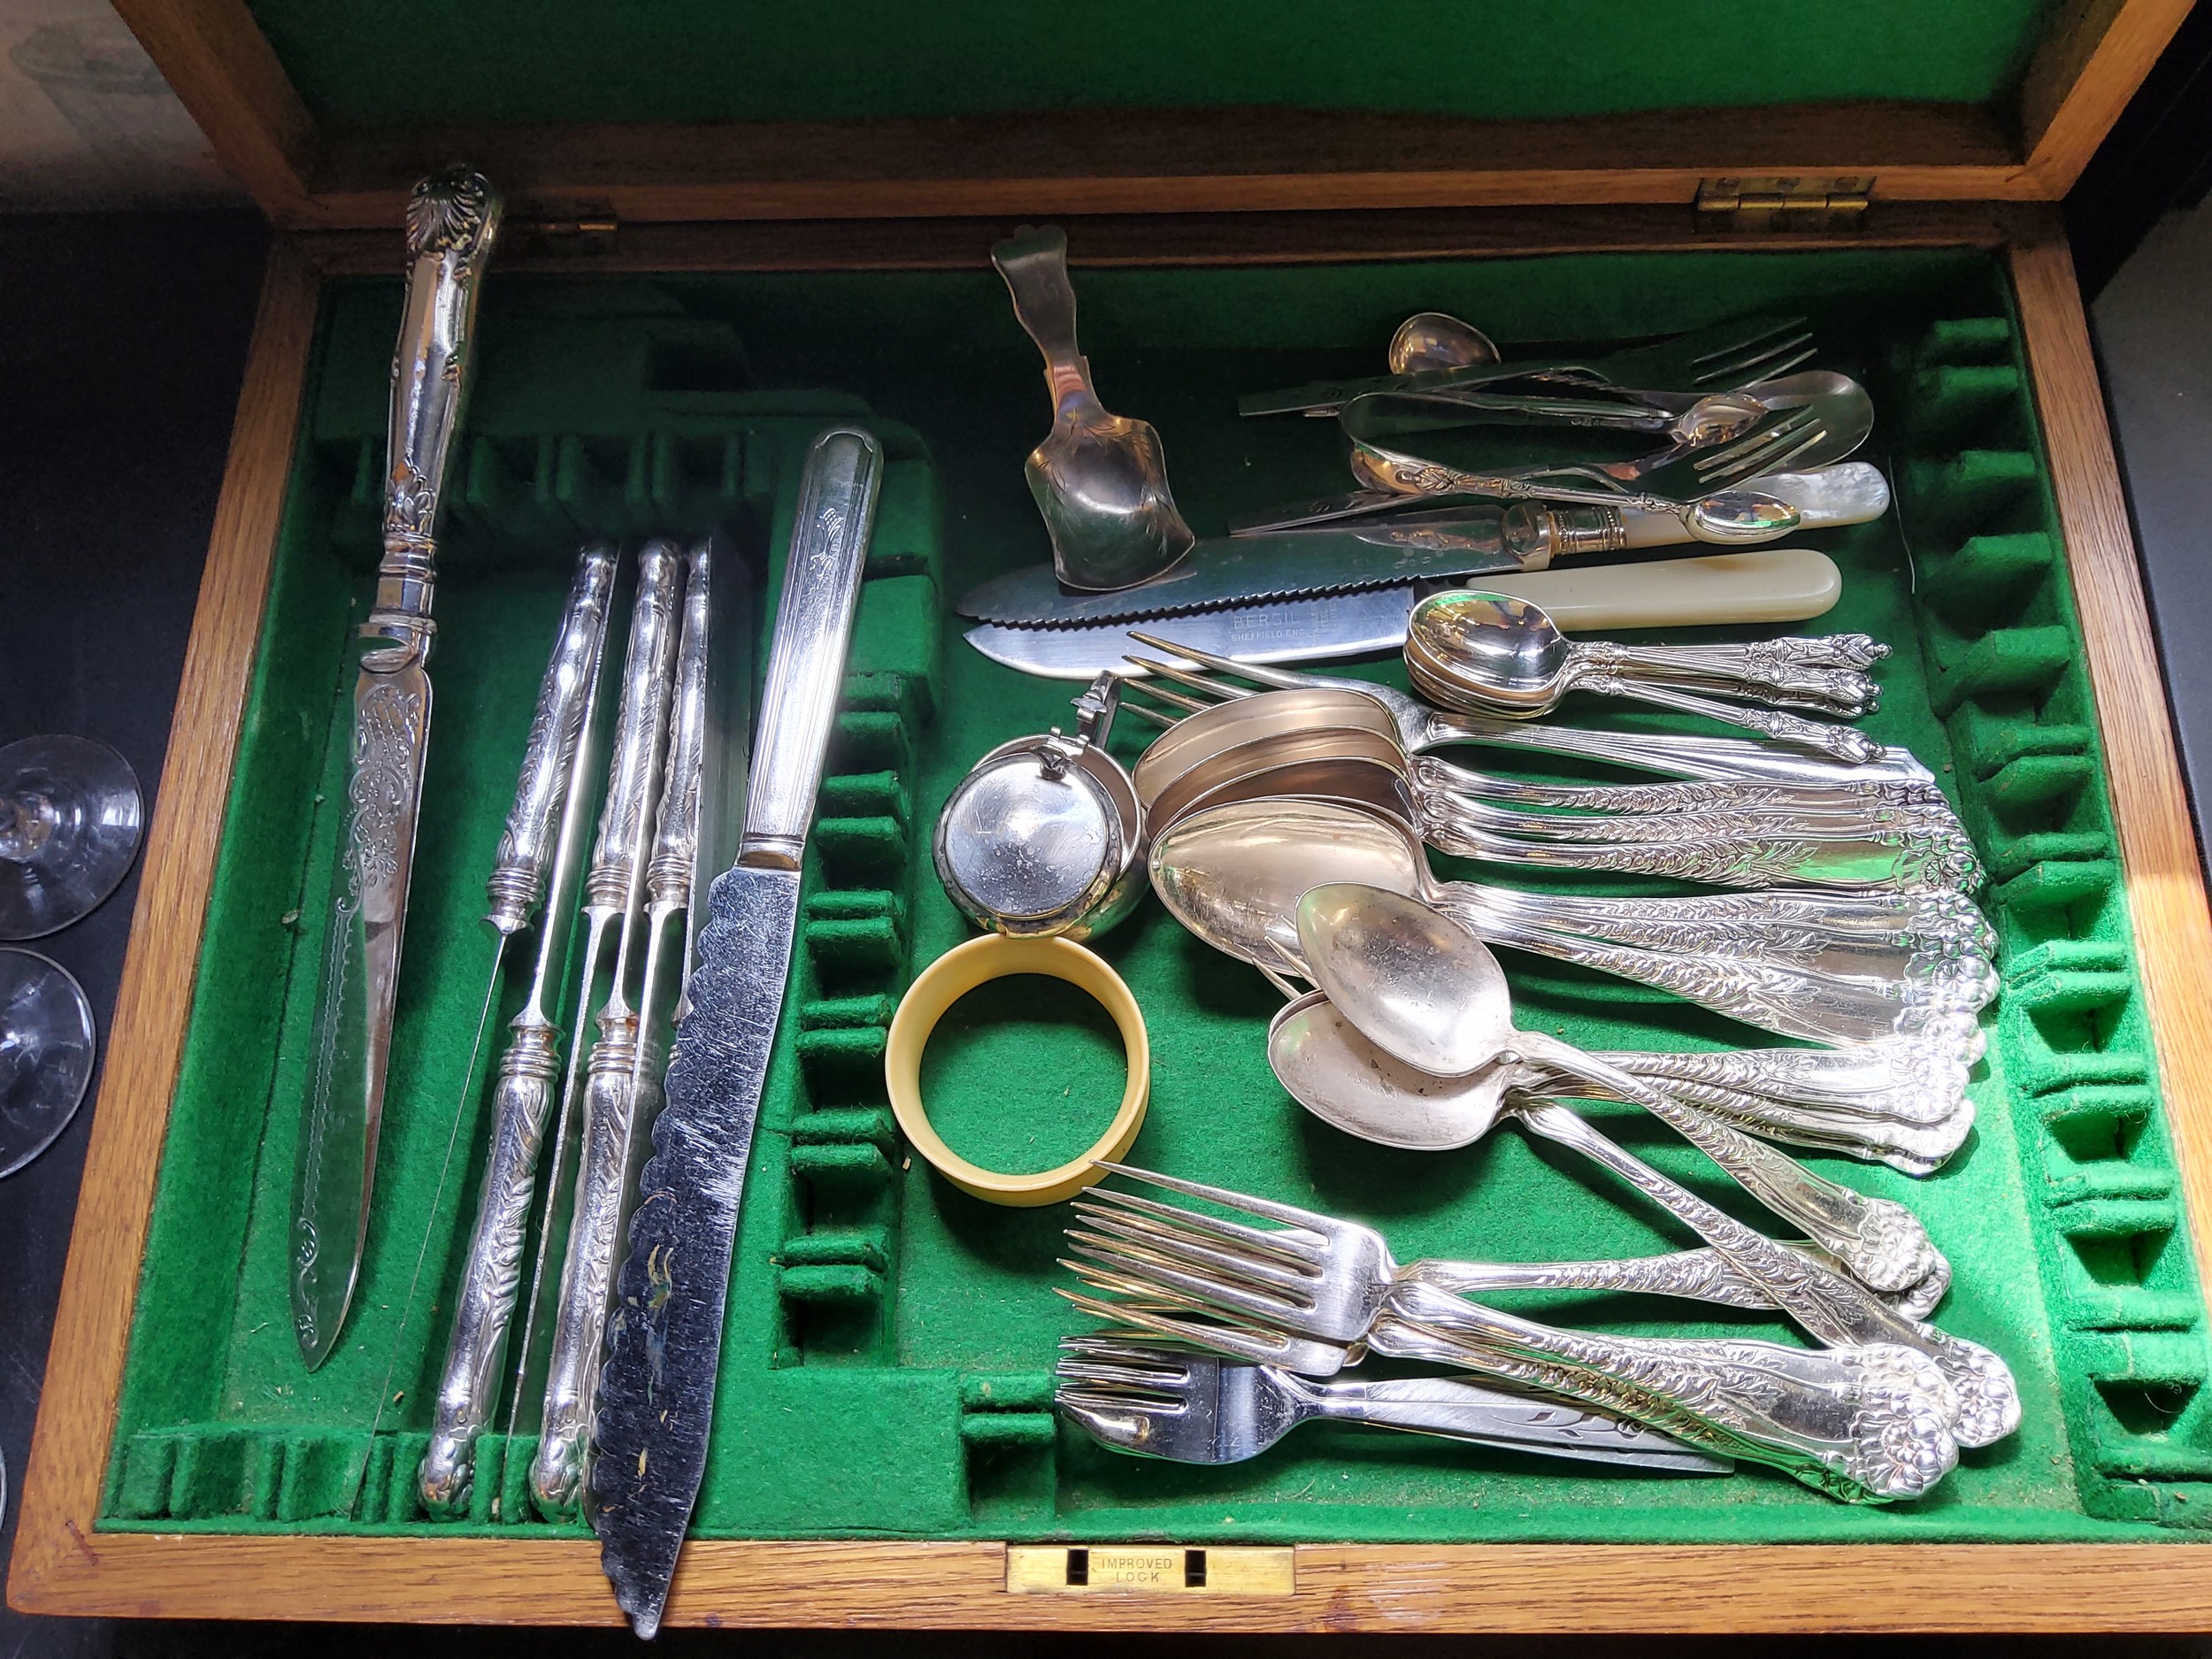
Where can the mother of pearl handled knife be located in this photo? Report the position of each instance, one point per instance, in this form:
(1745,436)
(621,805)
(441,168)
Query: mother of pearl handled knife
(1395,550)
(1762,585)
(452,218)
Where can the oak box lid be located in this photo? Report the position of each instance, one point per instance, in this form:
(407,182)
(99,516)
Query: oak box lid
(712,110)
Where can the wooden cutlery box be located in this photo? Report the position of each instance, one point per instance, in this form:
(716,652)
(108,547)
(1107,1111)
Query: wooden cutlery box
(731,226)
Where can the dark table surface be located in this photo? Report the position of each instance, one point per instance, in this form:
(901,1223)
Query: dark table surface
(121,344)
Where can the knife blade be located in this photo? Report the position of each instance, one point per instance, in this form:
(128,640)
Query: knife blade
(657,1389)
(1474,539)
(1763,585)
(453,218)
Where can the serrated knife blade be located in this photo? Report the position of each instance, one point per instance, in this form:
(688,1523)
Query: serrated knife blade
(657,1391)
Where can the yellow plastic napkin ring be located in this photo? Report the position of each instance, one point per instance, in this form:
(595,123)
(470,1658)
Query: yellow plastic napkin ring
(951,976)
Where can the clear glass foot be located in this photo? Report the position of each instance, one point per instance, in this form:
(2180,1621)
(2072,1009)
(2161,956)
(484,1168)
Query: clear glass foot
(71,820)
(47,1044)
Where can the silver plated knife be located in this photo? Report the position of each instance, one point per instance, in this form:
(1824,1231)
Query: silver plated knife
(453,218)
(656,1390)
(1401,550)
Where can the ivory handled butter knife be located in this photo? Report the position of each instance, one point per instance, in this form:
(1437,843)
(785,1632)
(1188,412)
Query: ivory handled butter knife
(453,218)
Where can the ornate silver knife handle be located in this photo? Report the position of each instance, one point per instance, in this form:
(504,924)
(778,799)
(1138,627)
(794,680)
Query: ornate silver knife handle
(529,1074)
(609,1099)
(676,841)
(452,220)
(622,826)
(516,882)
(1867,1425)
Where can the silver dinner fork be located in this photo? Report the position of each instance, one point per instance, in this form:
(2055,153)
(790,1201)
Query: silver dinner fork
(1138,1395)
(1321,1277)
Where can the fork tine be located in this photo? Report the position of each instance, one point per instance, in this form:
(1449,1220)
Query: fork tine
(1261,1345)
(1099,1374)
(1124,1347)
(1221,691)
(1780,449)
(1153,715)
(1175,1249)
(1253,1302)
(1754,355)
(1259,1239)
(1322,1226)
(1173,699)
(1280,679)
(1737,344)
(1759,440)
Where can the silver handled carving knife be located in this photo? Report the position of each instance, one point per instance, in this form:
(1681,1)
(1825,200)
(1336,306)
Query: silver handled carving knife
(622,1084)
(453,218)
(541,829)
(469,1386)
(656,1390)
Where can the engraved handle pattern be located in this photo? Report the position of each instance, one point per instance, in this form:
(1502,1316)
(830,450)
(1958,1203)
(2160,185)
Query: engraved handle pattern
(1769,656)
(806,661)
(557,1474)
(1867,1426)
(453,218)
(1840,742)
(676,844)
(1720,821)
(517,883)
(469,1393)
(1736,862)
(1790,1003)
(637,731)
(1931,924)
(1910,1079)
(1840,692)
(1678,755)
(1847,800)
(1881,1242)
(1703,1275)
(1837,1309)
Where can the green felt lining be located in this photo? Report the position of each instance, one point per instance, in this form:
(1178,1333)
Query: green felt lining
(886,1365)
(408,62)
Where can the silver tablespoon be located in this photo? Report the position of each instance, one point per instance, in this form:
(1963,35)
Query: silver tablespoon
(1499,655)
(1389,963)
(1349,1083)
(1421,986)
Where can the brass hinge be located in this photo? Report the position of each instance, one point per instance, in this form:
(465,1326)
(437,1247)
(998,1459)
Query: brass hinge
(577,234)
(1771,202)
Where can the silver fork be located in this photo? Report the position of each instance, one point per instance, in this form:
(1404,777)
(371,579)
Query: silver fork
(1893,778)
(1330,1279)
(1721,358)
(1137,1394)
(1664,480)
(1865,1424)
